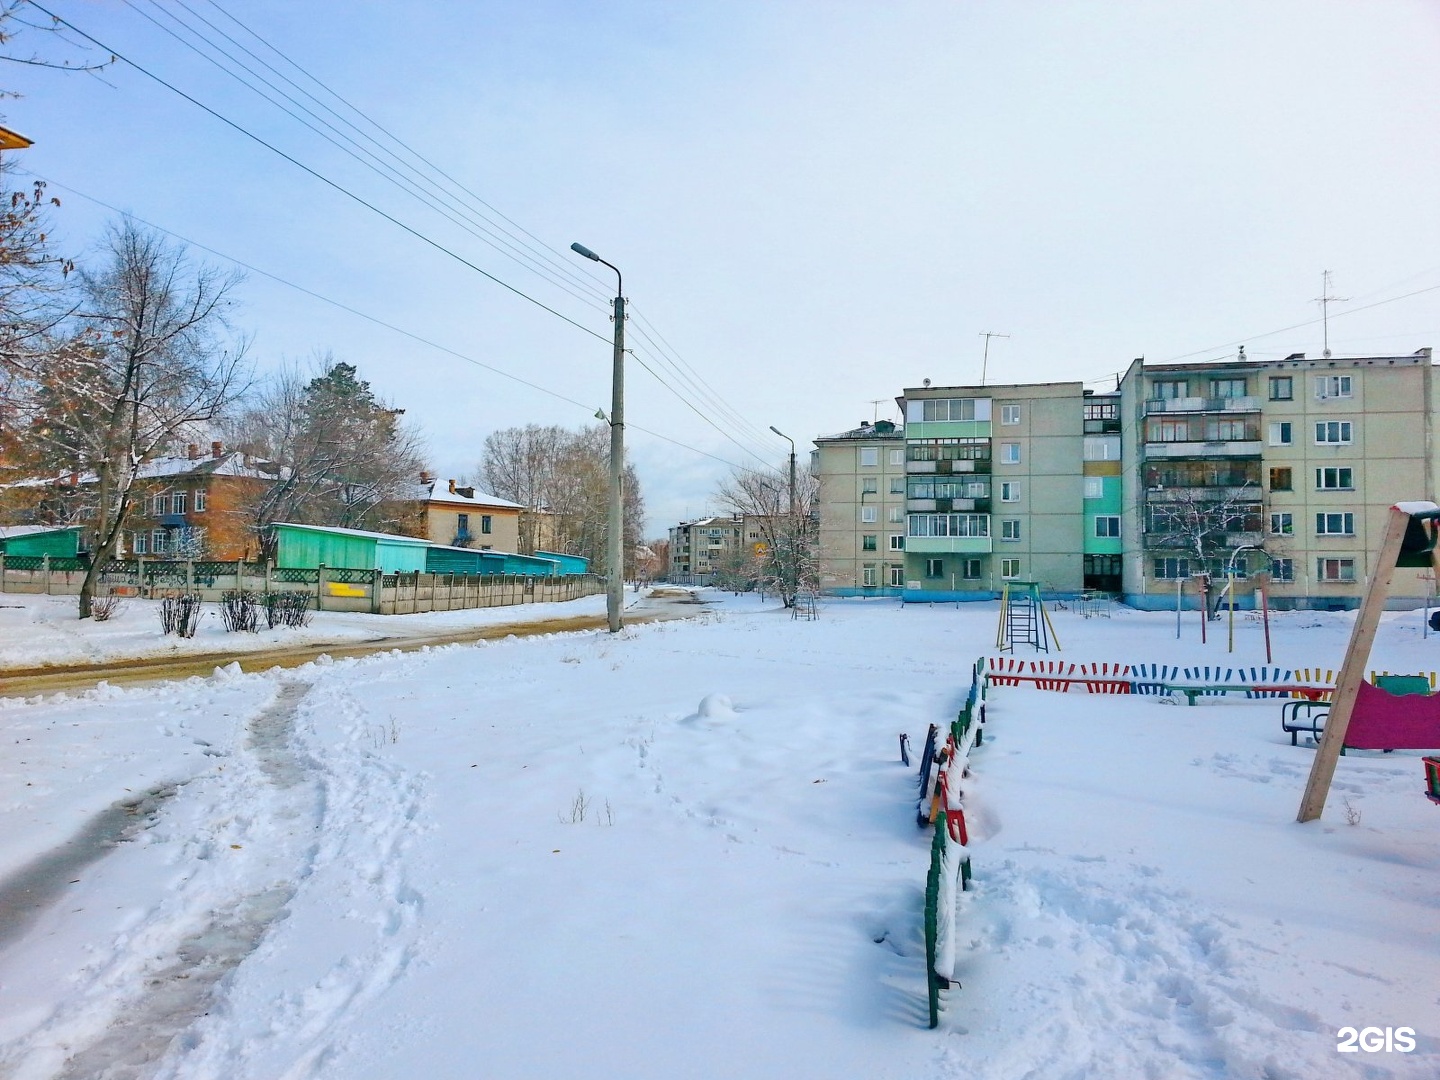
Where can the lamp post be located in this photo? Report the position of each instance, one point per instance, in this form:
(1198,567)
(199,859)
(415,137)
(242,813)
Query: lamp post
(615,586)
(792,465)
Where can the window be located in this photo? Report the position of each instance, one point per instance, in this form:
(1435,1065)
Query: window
(1009,453)
(1282,388)
(869,455)
(897,576)
(1107,525)
(970,569)
(1332,431)
(1282,525)
(897,515)
(869,486)
(897,541)
(140,543)
(897,484)
(1163,429)
(1229,430)
(1227,388)
(1094,487)
(867,542)
(177,502)
(934,568)
(1337,524)
(199,500)
(1337,479)
(1335,569)
(1172,568)
(1332,386)
(1170,388)
(1010,491)
(869,514)
(1282,569)
(1281,479)
(897,456)
(868,580)
(1102,448)
(949,525)
(941,409)
(1010,529)
(157,542)
(462,524)
(1280,434)
(157,506)
(1009,568)
(1009,414)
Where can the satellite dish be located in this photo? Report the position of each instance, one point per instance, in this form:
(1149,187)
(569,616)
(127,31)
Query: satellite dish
(925,383)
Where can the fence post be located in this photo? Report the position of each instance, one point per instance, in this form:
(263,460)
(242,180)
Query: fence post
(45,567)
(189,575)
(377,579)
(320,576)
(269,566)
(2,570)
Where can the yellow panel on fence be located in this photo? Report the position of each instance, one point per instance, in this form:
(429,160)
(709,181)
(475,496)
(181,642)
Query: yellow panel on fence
(339,588)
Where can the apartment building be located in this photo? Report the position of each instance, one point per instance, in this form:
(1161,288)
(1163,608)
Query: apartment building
(862,510)
(1285,466)
(700,548)
(994,488)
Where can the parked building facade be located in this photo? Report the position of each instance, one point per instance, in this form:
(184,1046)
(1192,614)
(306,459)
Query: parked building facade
(861,503)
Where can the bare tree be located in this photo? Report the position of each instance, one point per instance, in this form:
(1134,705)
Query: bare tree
(788,558)
(339,454)
(1205,526)
(16,17)
(563,477)
(148,359)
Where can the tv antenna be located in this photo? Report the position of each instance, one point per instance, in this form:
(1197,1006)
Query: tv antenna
(1325,300)
(985,360)
(875,404)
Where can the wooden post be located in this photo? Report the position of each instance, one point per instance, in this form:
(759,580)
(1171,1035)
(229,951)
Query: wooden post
(1265,612)
(320,587)
(1204,607)
(1230,585)
(1352,671)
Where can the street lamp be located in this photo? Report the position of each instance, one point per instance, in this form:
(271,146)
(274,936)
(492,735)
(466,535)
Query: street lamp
(792,465)
(615,586)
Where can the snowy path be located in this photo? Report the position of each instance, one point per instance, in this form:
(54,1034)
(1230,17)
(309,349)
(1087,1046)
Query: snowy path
(690,851)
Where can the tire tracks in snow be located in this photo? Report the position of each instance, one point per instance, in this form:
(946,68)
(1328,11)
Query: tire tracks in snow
(231,848)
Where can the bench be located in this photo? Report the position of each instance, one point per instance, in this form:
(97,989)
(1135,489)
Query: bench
(1311,723)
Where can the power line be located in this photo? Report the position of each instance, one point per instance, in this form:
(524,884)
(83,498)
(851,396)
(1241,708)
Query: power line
(428,196)
(370,318)
(371,206)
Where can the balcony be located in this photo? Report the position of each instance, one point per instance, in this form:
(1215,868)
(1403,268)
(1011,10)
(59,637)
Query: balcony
(948,468)
(948,506)
(943,545)
(1205,493)
(171,521)
(1202,405)
(1224,449)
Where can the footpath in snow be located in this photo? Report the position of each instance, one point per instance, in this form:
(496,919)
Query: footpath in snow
(690,850)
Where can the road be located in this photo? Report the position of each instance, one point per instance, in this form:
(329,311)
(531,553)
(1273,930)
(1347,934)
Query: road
(660,605)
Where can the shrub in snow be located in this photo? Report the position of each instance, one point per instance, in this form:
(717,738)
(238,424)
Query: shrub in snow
(238,611)
(286,609)
(180,614)
(105,607)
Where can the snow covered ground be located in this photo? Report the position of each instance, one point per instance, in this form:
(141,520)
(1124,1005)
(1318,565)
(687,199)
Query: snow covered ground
(690,851)
(44,630)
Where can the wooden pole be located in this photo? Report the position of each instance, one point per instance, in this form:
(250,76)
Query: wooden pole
(1204,608)
(1352,671)
(1265,612)
(1230,588)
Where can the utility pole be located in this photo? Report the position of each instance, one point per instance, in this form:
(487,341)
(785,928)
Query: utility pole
(792,572)
(985,360)
(615,584)
(1325,300)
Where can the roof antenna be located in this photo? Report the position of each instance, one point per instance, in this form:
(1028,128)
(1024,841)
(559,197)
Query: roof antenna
(985,360)
(1325,300)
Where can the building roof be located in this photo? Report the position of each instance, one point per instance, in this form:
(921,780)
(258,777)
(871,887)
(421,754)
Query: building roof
(434,492)
(9,532)
(361,533)
(880,429)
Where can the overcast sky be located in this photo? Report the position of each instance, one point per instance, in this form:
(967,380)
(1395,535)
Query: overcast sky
(814,204)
